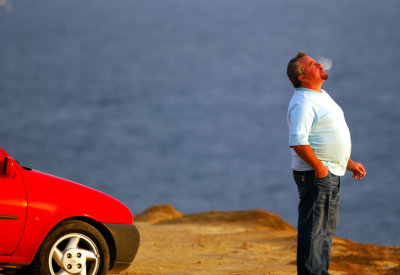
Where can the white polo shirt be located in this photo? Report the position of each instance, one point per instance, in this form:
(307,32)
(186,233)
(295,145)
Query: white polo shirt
(315,119)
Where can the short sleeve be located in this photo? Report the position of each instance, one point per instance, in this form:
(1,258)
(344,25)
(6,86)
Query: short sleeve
(301,117)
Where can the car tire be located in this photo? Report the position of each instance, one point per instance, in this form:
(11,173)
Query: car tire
(74,247)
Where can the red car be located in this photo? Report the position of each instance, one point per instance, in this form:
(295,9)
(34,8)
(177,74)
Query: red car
(49,225)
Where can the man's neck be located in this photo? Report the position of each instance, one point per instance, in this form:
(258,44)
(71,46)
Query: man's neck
(316,88)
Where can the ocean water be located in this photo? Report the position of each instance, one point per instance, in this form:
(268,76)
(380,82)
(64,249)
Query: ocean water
(184,101)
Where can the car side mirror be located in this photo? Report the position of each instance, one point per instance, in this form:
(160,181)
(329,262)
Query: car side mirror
(8,168)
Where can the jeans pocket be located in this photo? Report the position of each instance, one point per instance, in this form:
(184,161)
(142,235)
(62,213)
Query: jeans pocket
(326,178)
(302,185)
(323,183)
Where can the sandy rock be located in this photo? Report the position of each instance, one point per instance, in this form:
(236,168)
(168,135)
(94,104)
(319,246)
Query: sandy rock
(250,218)
(158,213)
(240,242)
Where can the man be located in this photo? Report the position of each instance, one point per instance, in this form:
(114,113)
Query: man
(321,146)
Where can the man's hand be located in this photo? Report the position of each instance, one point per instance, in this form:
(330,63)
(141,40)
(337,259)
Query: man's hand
(306,153)
(322,172)
(357,169)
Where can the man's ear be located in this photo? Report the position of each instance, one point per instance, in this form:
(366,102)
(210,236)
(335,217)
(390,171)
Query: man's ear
(301,78)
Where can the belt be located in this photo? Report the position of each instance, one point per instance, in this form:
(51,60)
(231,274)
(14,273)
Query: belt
(304,173)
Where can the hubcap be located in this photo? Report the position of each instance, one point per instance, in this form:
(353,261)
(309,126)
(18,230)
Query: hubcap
(74,254)
(73,261)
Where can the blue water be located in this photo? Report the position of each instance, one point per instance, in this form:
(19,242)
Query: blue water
(184,101)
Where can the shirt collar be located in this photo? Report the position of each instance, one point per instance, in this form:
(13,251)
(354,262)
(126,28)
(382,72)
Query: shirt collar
(304,90)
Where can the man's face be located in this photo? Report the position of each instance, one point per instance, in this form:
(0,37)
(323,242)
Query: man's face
(313,71)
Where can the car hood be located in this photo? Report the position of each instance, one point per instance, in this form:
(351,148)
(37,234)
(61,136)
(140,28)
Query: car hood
(49,195)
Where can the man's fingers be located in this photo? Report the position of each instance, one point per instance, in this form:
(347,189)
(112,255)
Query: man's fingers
(359,173)
(362,175)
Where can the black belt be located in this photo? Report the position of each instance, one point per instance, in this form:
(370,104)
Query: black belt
(304,173)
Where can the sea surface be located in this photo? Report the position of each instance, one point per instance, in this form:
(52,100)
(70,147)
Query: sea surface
(184,102)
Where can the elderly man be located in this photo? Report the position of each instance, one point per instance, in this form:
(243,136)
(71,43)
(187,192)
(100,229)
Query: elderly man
(321,146)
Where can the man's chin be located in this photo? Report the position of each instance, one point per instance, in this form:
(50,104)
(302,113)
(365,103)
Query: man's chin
(324,76)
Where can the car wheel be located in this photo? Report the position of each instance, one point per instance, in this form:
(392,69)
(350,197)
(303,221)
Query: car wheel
(73,247)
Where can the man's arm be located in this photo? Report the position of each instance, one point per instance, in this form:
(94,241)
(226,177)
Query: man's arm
(306,153)
(357,169)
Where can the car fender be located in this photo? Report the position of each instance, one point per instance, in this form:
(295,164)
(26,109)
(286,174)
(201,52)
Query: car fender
(52,200)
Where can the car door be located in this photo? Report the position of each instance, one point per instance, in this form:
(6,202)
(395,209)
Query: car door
(13,206)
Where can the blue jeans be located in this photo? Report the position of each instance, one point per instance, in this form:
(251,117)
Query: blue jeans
(318,215)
